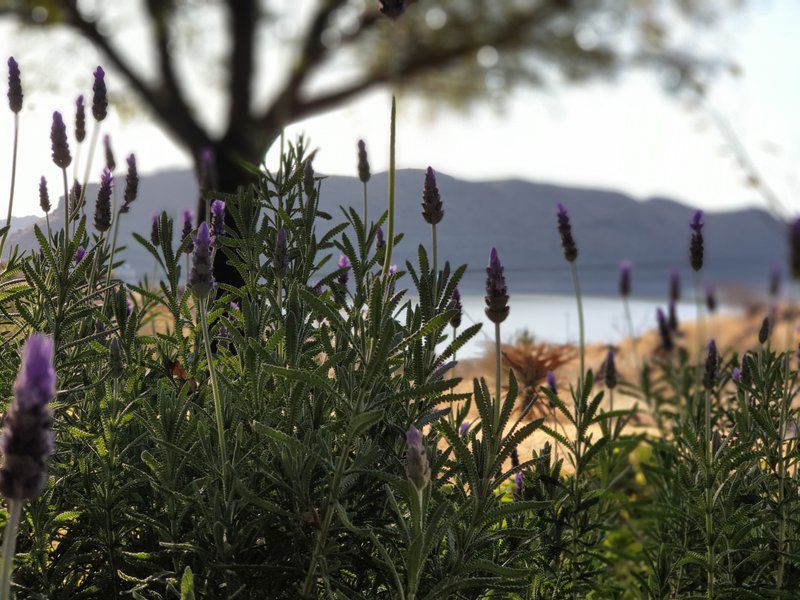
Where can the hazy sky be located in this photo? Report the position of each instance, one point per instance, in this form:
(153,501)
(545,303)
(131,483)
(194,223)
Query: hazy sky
(625,135)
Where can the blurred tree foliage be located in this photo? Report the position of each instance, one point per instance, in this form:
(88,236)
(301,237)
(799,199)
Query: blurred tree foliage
(330,51)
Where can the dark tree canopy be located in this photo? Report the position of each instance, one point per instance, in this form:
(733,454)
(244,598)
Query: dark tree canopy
(452,50)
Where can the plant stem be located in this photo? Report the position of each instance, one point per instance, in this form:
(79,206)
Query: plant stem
(785,405)
(433,239)
(365,205)
(387,260)
(581,326)
(709,500)
(498,374)
(201,306)
(92,145)
(66,208)
(9,547)
(13,181)
(117,215)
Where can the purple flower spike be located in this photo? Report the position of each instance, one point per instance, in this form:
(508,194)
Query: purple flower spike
(497,308)
(201,278)
(100,95)
(775,281)
(712,366)
(217,219)
(58,140)
(455,304)
(664,331)
(518,485)
(565,231)
(551,382)
(188,228)
(392,269)
(131,183)
(379,241)
(463,429)
(80,119)
(155,236)
(280,258)
(111,163)
(418,470)
(343,263)
(44,195)
(14,86)
(696,246)
(363,162)
(208,171)
(674,285)
(431,200)
(711,298)
(27,428)
(625,268)
(736,374)
(102,208)
(79,254)
(610,370)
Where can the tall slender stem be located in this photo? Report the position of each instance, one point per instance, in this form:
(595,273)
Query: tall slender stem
(365,204)
(92,145)
(201,306)
(785,405)
(498,374)
(9,547)
(387,260)
(66,207)
(433,240)
(709,500)
(581,326)
(13,182)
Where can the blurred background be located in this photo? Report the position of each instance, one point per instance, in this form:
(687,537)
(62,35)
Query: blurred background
(633,113)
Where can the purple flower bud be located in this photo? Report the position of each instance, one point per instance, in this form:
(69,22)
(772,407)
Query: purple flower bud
(736,374)
(518,485)
(155,235)
(775,281)
(496,298)
(455,304)
(111,163)
(379,241)
(625,268)
(565,231)
(58,141)
(207,171)
(431,200)
(75,197)
(309,179)
(80,119)
(14,86)
(392,8)
(201,278)
(27,427)
(217,219)
(188,229)
(79,254)
(696,249)
(551,382)
(100,95)
(343,263)
(418,470)
(280,257)
(674,285)
(128,306)
(711,298)
(392,269)
(764,331)
(794,248)
(115,366)
(102,208)
(514,458)
(363,162)
(745,372)
(44,195)
(664,331)
(610,370)
(463,429)
(131,183)
(712,366)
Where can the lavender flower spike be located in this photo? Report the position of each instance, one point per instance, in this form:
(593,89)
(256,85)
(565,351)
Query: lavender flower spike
(463,429)
(208,170)
(188,228)
(455,304)
(27,430)
(217,219)
(58,140)
(155,236)
(712,366)
(497,308)
(44,195)
(674,285)
(664,331)
(80,119)
(79,254)
(363,162)
(625,268)
(431,199)
(100,95)
(775,281)
(565,231)
(102,208)
(418,470)
(131,183)
(111,163)
(201,278)
(14,86)
(711,298)
(696,249)
(518,485)
(610,370)
(551,382)
(379,241)
(280,255)
(736,374)
(343,263)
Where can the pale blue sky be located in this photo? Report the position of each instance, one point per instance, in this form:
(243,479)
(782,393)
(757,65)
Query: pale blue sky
(625,135)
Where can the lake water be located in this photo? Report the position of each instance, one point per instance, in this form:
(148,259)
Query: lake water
(555,319)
